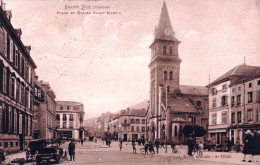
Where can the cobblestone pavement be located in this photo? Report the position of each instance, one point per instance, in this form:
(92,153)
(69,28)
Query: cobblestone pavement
(99,153)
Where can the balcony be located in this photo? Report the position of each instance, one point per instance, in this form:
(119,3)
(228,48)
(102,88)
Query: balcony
(125,124)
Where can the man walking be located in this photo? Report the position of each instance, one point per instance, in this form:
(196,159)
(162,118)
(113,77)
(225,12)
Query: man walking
(157,143)
(71,149)
(133,144)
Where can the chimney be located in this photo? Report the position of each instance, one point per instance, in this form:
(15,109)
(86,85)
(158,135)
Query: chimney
(28,49)
(18,32)
(8,14)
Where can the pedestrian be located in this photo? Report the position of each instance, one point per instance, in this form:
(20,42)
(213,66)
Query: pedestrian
(157,144)
(247,145)
(238,145)
(191,144)
(71,149)
(81,141)
(146,146)
(2,155)
(133,144)
(257,143)
(109,142)
(151,149)
(213,144)
(121,144)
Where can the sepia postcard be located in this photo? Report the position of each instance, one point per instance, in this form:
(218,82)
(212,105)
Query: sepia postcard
(130,82)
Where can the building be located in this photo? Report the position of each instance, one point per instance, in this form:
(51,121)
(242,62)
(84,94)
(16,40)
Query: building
(102,124)
(245,103)
(69,120)
(44,125)
(90,126)
(220,102)
(131,123)
(16,86)
(172,106)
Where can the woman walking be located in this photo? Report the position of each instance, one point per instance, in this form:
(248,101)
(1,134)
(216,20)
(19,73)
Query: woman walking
(248,145)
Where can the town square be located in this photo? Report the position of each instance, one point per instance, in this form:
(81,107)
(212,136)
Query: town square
(129,82)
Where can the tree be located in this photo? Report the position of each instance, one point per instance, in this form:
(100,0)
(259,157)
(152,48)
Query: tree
(187,130)
(196,131)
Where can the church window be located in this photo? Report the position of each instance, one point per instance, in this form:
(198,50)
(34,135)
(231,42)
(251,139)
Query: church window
(170,75)
(170,51)
(165,75)
(168,89)
(164,50)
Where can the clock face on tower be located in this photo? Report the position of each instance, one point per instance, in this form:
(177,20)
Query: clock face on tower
(167,32)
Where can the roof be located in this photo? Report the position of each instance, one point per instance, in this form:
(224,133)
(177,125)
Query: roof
(141,105)
(248,76)
(181,104)
(193,90)
(238,71)
(134,112)
(68,103)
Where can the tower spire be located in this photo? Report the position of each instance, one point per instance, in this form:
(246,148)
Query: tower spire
(165,30)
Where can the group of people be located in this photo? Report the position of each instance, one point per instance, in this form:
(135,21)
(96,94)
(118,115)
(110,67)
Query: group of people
(251,144)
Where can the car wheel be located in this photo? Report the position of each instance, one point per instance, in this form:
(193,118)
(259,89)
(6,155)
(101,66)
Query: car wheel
(57,161)
(38,160)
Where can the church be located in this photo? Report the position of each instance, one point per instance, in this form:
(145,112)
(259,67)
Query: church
(172,106)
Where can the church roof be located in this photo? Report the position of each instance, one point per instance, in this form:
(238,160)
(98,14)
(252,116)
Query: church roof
(164,31)
(181,104)
(141,105)
(239,71)
(193,90)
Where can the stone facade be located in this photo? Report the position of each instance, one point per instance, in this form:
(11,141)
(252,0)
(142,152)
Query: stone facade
(245,104)
(16,86)
(172,106)
(69,120)
(45,107)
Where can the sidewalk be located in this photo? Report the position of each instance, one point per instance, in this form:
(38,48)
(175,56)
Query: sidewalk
(10,157)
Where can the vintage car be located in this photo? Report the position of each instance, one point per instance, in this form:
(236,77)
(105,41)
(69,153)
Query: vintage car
(49,153)
(33,148)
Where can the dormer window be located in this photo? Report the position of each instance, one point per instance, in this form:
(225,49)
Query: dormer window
(164,50)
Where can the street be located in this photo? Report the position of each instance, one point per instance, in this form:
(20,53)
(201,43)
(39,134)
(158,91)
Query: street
(99,153)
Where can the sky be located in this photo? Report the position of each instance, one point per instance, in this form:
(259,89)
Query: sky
(102,60)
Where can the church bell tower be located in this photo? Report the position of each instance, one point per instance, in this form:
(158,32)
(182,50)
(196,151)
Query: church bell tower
(165,62)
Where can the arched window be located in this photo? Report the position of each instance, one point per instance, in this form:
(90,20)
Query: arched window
(164,50)
(170,75)
(170,51)
(165,75)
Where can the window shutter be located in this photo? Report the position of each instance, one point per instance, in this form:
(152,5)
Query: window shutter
(258,96)
(2,76)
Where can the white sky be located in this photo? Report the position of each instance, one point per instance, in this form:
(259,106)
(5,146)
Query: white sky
(102,60)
